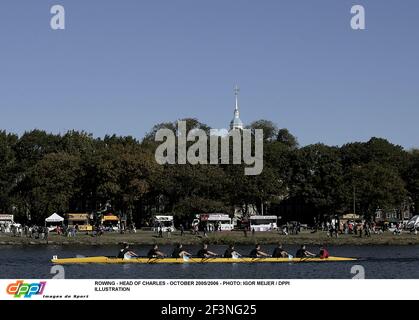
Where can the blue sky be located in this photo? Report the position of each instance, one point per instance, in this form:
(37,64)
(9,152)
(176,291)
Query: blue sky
(123,66)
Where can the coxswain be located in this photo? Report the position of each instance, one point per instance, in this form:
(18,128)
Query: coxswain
(324,254)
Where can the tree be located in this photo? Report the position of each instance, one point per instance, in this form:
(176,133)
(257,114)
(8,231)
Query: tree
(412,177)
(80,143)
(7,169)
(375,150)
(53,181)
(188,207)
(318,178)
(270,129)
(41,173)
(377,186)
(286,138)
(134,170)
(33,146)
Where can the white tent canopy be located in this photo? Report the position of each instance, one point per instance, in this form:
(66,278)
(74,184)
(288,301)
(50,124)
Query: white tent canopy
(54,218)
(413,223)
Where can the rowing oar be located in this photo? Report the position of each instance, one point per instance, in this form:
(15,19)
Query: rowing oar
(154,260)
(238,257)
(304,259)
(209,258)
(254,259)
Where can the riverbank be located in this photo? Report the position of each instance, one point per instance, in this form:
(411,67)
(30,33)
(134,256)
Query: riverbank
(236,237)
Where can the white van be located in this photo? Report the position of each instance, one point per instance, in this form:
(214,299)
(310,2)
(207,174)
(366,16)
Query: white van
(263,223)
(215,221)
(166,223)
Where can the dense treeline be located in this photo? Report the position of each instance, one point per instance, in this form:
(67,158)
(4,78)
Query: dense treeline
(42,173)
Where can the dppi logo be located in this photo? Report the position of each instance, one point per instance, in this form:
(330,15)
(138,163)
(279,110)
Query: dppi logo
(27,290)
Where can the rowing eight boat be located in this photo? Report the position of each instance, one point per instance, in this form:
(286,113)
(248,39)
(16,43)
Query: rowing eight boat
(113,260)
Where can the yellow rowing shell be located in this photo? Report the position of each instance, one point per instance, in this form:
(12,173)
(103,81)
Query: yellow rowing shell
(111,260)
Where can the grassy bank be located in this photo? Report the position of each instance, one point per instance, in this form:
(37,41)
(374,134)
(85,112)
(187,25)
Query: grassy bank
(148,237)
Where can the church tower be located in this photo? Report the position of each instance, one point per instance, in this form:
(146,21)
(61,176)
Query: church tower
(236,123)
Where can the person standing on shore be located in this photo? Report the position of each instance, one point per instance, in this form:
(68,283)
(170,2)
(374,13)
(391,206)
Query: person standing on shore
(46,233)
(41,232)
(360,229)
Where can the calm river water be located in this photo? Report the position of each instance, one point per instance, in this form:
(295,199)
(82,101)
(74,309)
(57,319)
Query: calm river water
(379,262)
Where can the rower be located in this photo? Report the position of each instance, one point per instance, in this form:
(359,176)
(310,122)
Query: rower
(257,253)
(205,253)
(303,253)
(178,252)
(155,253)
(231,251)
(126,253)
(324,254)
(279,252)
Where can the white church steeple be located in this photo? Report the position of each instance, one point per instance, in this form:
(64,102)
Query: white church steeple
(236,123)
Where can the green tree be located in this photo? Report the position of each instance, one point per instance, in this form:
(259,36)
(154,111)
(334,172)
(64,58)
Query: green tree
(270,129)
(286,138)
(375,150)
(135,171)
(53,181)
(33,146)
(7,169)
(412,177)
(377,186)
(318,178)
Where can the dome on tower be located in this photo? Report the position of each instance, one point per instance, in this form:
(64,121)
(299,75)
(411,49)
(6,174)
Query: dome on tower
(236,123)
